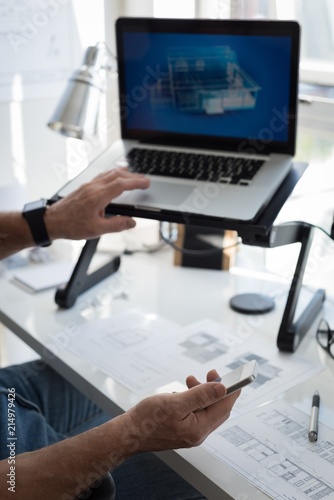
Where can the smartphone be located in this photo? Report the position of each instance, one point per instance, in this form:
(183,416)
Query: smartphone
(240,377)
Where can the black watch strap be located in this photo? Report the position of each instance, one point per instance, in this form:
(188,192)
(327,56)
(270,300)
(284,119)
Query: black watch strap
(34,215)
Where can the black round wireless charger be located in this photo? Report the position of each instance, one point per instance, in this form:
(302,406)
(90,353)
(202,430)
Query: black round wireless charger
(252,303)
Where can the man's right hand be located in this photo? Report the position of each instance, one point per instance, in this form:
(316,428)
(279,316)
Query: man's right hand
(80,215)
(180,420)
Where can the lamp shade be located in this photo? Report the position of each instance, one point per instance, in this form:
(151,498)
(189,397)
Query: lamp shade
(78,109)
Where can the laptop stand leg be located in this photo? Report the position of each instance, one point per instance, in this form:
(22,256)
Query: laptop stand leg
(291,331)
(80,281)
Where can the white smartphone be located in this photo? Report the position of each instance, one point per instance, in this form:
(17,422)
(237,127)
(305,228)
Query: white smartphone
(240,377)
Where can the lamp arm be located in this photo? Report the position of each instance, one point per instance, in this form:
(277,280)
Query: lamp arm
(110,63)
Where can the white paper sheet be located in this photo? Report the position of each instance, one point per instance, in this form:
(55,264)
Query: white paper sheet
(270,448)
(144,352)
(208,344)
(112,345)
(40,277)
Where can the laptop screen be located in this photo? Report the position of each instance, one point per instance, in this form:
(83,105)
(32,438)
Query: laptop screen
(225,84)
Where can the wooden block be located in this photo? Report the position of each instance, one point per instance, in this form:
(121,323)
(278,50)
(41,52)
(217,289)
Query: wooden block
(203,254)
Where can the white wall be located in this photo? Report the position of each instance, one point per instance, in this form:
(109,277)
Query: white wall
(30,152)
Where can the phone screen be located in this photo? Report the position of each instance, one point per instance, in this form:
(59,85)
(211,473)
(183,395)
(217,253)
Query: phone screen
(239,377)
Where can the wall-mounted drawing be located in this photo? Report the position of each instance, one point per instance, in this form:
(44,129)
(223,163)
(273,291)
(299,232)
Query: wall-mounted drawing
(39,48)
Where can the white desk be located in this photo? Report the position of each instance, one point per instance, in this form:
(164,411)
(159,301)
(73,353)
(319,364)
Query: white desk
(184,296)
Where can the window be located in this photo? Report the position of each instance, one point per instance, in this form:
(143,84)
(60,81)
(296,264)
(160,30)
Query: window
(174,8)
(317,41)
(316,19)
(317,49)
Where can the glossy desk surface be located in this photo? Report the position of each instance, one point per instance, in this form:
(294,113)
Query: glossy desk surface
(182,295)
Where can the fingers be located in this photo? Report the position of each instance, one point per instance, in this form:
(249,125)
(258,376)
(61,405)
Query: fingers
(220,411)
(113,173)
(200,396)
(212,409)
(116,224)
(109,172)
(114,182)
(192,381)
(120,185)
(182,419)
(212,375)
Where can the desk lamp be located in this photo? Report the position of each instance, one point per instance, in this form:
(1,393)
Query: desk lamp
(77,112)
(77,116)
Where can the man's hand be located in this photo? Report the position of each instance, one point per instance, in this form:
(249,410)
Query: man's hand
(180,420)
(80,215)
(161,422)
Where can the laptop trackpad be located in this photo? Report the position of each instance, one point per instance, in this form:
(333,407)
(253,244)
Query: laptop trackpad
(158,194)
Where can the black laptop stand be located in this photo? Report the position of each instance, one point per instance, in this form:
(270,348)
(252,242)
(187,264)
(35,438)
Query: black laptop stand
(260,232)
(80,281)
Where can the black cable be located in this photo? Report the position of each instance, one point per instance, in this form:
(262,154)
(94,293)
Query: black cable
(144,249)
(214,251)
(308,224)
(188,251)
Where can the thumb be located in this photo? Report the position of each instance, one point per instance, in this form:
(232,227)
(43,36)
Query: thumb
(201,396)
(116,224)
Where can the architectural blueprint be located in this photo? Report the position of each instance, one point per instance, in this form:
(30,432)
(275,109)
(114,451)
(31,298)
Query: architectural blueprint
(270,448)
(146,352)
(112,346)
(208,344)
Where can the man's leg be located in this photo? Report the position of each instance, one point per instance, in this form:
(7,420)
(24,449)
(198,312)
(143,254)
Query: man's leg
(50,409)
(146,476)
(65,409)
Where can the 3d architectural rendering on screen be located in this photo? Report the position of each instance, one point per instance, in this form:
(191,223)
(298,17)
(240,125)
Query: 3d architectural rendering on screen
(204,80)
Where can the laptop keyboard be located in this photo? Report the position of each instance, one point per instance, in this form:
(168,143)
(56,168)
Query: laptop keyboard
(212,168)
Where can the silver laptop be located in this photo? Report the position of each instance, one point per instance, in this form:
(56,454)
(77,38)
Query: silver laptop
(208,112)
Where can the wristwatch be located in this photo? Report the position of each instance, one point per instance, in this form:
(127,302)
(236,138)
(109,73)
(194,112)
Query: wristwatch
(33,213)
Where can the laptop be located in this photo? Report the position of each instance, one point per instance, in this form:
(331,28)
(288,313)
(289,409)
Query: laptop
(207,111)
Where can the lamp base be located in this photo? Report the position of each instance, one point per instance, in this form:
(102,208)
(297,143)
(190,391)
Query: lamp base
(252,303)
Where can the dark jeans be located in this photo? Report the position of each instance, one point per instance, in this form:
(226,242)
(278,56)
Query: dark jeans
(48,409)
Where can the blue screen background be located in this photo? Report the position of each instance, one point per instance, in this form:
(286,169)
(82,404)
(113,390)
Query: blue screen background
(265,58)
